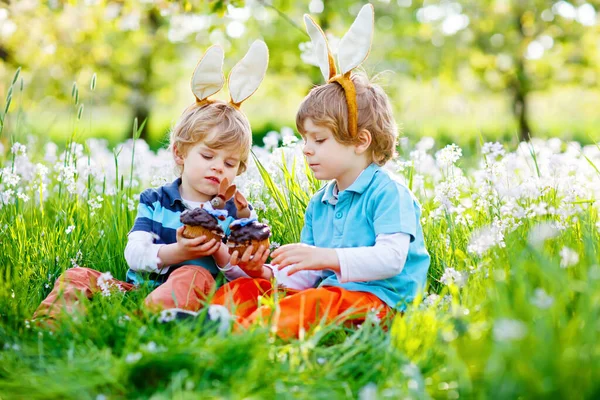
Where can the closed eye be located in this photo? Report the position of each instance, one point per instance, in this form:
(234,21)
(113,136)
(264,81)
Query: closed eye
(207,157)
(320,140)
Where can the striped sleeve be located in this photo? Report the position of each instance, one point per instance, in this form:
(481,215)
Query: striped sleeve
(145,210)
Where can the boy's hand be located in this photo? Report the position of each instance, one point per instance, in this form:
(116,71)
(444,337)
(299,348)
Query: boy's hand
(197,247)
(252,265)
(222,255)
(305,257)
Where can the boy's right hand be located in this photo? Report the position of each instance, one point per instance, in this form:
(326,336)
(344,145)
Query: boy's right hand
(197,247)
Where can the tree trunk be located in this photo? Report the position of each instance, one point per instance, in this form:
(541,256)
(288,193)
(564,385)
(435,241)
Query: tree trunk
(141,111)
(521,84)
(521,107)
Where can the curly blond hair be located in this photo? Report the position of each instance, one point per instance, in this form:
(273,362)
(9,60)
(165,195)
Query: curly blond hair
(326,106)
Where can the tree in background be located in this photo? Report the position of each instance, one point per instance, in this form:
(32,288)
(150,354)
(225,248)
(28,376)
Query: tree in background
(520,46)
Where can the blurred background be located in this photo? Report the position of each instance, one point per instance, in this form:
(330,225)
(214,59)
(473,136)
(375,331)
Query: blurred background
(459,71)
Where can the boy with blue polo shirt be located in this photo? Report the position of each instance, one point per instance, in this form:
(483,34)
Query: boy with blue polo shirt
(362,245)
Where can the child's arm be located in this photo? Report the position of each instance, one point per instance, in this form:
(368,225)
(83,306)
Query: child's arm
(141,253)
(382,261)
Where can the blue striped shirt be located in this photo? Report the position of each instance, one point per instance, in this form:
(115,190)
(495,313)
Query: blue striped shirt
(158,213)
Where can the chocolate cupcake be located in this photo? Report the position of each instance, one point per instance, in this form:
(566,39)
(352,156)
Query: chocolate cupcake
(246,232)
(198,222)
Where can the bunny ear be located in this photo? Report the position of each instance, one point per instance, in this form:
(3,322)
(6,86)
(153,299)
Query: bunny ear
(230,192)
(241,200)
(355,45)
(246,76)
(208,76)
(321,48)
(223,186)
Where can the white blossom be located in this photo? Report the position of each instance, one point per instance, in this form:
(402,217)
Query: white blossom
(568,257)
(541,299)
(509,330)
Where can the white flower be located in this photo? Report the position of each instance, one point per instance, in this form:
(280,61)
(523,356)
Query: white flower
(18,149)
(509,329)
(69,229)
(448,155)
(133,357)
(158,180)
(271,140)
(426,143)
(23,197)
(541,299)
(167,315)
(542,232)
(105,283)
(494,150)
(454,277)
(568,257)
(484,239)
(368,392)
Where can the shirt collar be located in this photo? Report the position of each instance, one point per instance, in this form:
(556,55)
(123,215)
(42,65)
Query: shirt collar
(172,191)
(359,185)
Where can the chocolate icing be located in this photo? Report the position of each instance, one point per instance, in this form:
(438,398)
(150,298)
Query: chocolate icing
(200,217)
(246,233)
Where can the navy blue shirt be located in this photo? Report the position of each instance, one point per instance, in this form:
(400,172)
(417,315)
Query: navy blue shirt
(158,213)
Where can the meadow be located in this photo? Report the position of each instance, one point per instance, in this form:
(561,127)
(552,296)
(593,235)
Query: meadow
(511,310)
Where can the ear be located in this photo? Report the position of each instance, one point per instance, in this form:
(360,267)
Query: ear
(223,186)
(208,76)
(364,140)
(178,156)
(241,200)
(230,192)
(246,76)
(320,47)
(356,43)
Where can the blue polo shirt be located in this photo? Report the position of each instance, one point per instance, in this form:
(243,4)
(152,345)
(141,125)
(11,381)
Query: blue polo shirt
(158,213)
(374,204)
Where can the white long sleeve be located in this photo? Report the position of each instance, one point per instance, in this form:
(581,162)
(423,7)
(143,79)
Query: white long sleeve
(300,280)
(141,253)
(383,260)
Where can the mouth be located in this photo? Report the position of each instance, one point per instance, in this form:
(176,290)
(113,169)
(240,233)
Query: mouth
(213,179)
(313,165)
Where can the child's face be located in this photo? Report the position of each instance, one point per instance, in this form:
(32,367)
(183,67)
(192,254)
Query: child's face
(203,170)
(326,157)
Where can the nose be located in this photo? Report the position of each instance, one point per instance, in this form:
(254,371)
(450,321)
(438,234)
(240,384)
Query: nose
(307,149)
(218,165)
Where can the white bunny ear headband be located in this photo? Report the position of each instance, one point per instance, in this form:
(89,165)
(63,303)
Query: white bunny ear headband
(244,79)
(353,50)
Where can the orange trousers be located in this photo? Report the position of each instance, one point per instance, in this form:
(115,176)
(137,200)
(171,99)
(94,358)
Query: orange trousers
(296,310)
(186,288)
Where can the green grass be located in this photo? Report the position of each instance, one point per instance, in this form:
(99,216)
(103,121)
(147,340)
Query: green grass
(521,326)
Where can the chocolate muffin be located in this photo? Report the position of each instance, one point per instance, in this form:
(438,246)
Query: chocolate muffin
(198,222)
(246,232)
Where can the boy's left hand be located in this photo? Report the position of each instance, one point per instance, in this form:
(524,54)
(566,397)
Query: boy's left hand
(253,265)
(305,257)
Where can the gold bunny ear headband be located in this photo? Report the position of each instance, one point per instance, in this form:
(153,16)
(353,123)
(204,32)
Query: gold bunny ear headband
(353,50)
(244,79)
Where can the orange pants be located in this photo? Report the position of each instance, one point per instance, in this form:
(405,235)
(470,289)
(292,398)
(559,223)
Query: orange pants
(296,310)
(186,288)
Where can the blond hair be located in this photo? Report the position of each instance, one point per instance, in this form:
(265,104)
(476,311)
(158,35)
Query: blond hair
(326,106)
(218,124)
